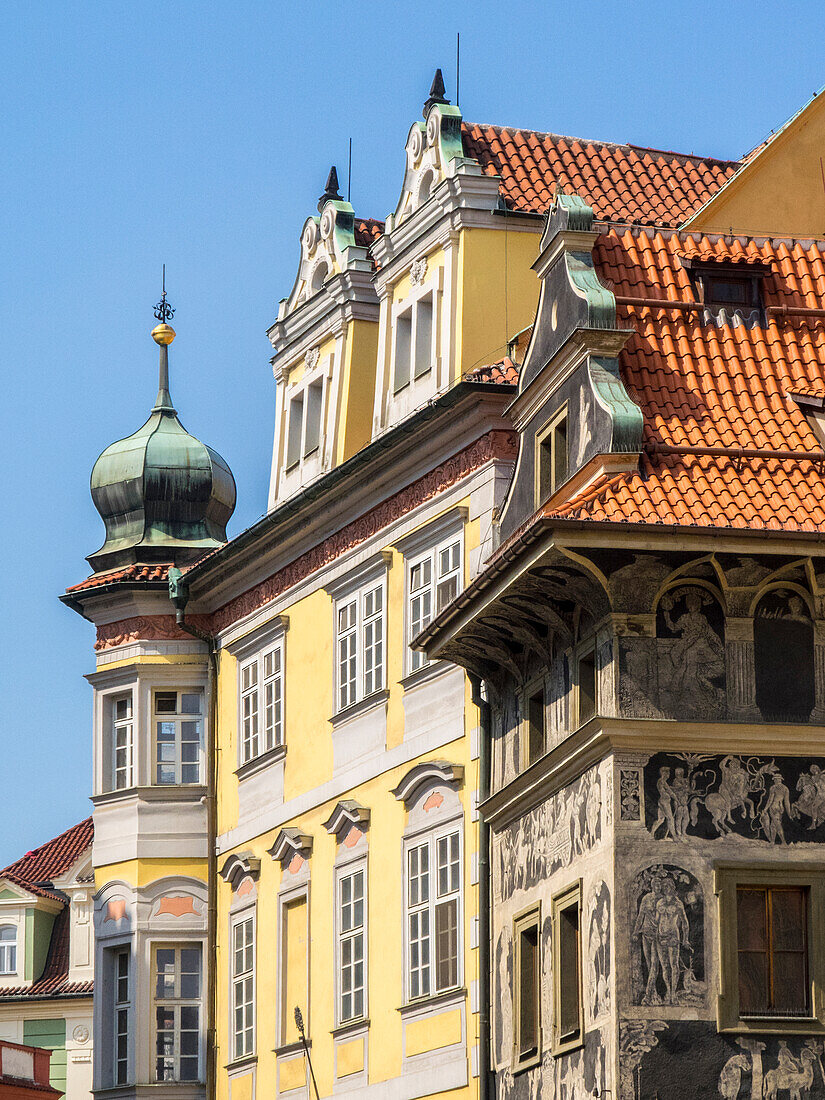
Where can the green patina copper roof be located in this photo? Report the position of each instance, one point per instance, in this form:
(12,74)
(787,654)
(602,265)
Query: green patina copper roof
(163,495)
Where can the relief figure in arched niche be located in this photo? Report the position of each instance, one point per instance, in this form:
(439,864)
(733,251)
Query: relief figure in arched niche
(783,643)
(691,643)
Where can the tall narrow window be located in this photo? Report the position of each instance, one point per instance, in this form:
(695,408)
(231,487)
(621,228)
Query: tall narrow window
(179,736)
(314,405)
(588,702)
(261,712)
(433,914)
(535,727)
(433,581)
(360,645)
(423,336)
(295,430)
(294,963)
(122,744)
(8,949)
(551,458)
(121,1021)
(568,1023)
(403,348)
(351,922)
(772,939)
(243,986)
(527,989)
(177,1013)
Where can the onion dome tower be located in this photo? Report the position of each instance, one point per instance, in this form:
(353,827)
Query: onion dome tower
(163,495)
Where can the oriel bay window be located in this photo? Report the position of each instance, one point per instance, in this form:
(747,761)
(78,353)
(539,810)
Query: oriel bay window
(121,1017)
(433,891)
(177,1003)
(351,918)
(359,644)
(122,743)
(178,724)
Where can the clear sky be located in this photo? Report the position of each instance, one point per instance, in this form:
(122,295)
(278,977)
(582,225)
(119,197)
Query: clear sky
(199,134)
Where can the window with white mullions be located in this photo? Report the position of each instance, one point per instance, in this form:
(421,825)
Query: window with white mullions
(433,917)
(351,923)
(261,704)
(243,986)
(360,645)
(122,1004)
(122,744)
(434,580)
(177,1013)
(8,949)
(178,717)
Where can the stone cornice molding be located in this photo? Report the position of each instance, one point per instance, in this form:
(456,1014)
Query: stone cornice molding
(431,771)
(238,866)
(347,813)
(291,842)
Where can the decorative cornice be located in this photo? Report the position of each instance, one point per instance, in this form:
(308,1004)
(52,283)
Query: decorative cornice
(291,842)
(145,628)
(431,771)
(239,866)
(346,814)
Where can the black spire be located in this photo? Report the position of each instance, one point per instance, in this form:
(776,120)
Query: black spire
(331,189)
(436,92)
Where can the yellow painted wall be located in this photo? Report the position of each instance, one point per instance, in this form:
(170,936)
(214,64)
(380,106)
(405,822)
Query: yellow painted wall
(780,193)
(358,389)
(499,292)
(142,872)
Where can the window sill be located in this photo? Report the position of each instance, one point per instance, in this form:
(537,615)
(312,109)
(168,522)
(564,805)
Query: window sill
(435,1000)
(565,1046)
(774,1025)
(160,792)
(351,1027)
(526,1063)
(258,763)
(429,671)
(241,1063)
(292,1048)
(363,706)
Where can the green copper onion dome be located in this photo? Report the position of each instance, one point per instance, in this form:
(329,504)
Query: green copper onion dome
(164,496)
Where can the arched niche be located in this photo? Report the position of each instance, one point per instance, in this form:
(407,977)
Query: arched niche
(690,632)
(318,277)
(783,645)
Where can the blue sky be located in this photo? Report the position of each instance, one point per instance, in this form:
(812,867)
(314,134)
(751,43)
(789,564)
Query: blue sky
(199,134)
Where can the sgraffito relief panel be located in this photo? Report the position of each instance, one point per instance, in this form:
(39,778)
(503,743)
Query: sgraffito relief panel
(598,962)
(576,1076)
(773,800)
(654,1056)
(667,928)
(690,631)
(783,640)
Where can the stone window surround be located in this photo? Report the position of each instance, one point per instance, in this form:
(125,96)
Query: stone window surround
(400,402)
(523,920)
(269,635)
(564,899)
(347,865)
(300,890)
(310,465)
(240,911)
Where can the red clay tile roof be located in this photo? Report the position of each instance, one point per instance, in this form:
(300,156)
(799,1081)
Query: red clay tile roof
(367,230)
(700,385)
(503,373)
(52,983)
(53,859)
(130,573)
(624,183)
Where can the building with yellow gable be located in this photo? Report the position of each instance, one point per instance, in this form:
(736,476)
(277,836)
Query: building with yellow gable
(285,790)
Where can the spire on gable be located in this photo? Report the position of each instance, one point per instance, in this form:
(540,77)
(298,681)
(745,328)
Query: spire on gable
(436,95)
(331,192)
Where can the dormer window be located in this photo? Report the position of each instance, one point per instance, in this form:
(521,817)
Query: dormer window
(728,286)
(8,949)
(551,457)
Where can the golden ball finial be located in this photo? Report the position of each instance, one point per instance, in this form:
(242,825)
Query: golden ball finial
(163,334)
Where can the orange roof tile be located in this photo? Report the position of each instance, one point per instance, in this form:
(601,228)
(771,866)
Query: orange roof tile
(624,183)
(502,373)
(52,982)
(52,859)
(129,573)
(367,230)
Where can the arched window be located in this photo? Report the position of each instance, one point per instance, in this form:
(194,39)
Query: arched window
(690,626)
(8,949)
(783,643)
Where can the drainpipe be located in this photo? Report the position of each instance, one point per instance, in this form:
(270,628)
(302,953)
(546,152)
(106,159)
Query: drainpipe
(179,595)
(486,1074)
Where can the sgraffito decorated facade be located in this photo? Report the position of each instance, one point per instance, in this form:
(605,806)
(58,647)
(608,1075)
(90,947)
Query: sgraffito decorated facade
(451,770)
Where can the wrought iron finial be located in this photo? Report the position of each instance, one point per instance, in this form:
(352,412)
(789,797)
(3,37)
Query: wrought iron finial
(163,311)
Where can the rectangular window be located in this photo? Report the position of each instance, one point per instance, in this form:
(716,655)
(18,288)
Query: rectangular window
(551,458)
(261,688)
(351,926)
(588,689)
(122,744)
(433,581)
(314,405)
(772,940)
(243,986)
(535,727)
(568,1023)
(359,646)
(295,430)
(433,914)
(423,336)
(403,348)
(122,1004)
(177,998)
(527,989)
(178,717)
(8,949)
(728,291)
(294,962)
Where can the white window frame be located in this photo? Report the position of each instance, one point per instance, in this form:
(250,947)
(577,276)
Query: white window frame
(179,717)
(371,577)
(245,982)
(176,1003)
(121,1013)
(408,307)
(343,872)
(430,840)
(126,726)
(309,459)
(8,951)
(257,735)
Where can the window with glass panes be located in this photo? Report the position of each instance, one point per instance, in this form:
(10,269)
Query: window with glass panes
(261,704)
(8,949)
(178,717)
(177,1013)
(434,580)
(122,1000)
(243,986)
(360,645)
(433,913)
(351,927)
(772,941)
(122,744)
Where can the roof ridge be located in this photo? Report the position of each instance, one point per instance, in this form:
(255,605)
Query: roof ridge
(16,868)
